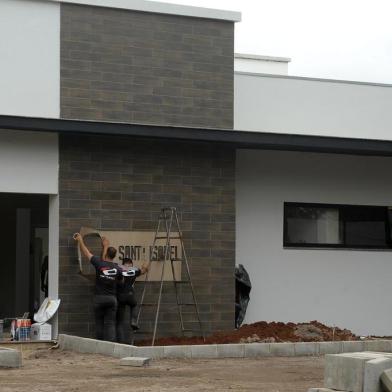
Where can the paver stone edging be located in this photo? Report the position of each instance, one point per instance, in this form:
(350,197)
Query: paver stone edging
(246,350)
(10,358)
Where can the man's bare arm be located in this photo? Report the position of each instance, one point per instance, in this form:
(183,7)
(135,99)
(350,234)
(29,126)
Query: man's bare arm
(144,267)
(105,246)
(77,237)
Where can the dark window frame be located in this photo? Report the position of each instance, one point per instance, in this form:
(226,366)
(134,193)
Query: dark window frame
(344,246)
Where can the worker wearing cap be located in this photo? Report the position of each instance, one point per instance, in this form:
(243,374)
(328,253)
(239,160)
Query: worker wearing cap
(126,298)
(107,274)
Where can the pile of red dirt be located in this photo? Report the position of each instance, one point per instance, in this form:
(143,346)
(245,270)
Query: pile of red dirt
(264,332)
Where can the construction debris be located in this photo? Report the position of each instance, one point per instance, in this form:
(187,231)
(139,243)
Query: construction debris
(265,332)
(256,339)
(309,332)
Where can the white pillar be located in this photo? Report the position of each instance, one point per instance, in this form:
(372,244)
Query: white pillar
(54,224)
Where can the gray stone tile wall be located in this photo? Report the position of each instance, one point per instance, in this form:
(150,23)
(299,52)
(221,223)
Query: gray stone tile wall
(120,65)
(121,183)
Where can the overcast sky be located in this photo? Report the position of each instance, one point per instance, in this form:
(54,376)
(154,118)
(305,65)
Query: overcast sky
(340,39)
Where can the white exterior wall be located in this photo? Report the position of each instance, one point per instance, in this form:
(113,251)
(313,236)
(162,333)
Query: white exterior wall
(30,58)
(54,256)
(347,288)
(29,162)
(293,105)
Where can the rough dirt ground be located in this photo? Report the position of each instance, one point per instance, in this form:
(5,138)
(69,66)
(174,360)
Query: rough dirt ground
(262,331)
(57,371)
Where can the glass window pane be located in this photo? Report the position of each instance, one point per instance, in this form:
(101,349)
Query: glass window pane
(313,225)
(365,234)
(365,226)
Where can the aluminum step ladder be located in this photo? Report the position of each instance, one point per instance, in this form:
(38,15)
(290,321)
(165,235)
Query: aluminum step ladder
(168,229)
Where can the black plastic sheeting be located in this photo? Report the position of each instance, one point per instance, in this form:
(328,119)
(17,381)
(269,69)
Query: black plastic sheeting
(242,290)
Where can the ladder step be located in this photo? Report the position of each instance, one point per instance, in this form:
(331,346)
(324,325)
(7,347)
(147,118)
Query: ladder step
(165,238)
(156,304)
(145,332)
(181,281)
(142,331)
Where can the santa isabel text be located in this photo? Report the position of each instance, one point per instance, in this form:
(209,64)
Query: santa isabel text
(139,252)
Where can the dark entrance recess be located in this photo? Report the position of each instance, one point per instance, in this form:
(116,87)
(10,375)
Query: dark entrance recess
(24,245)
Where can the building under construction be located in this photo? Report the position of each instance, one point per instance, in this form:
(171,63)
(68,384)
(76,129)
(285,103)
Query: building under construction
(112,110)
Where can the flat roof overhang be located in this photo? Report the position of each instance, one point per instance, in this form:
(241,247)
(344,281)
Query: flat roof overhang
(238,139)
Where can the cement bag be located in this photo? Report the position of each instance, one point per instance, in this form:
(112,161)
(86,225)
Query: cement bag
(47,310)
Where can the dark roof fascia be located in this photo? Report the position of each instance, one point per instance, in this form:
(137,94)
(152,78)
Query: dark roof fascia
(239,139)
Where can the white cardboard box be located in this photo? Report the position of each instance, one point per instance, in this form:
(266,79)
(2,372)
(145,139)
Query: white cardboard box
(41,331)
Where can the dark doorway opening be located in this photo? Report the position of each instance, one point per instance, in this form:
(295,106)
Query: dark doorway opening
(24,244)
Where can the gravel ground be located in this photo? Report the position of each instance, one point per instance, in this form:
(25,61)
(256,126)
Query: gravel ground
(64,371)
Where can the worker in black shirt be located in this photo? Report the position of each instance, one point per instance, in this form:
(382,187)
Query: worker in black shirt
(108,273)
(126,297)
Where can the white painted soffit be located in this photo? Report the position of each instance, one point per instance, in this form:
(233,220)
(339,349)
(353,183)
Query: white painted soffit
(160,8)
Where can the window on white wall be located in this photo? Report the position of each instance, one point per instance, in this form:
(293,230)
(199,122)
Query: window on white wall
(336,226)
